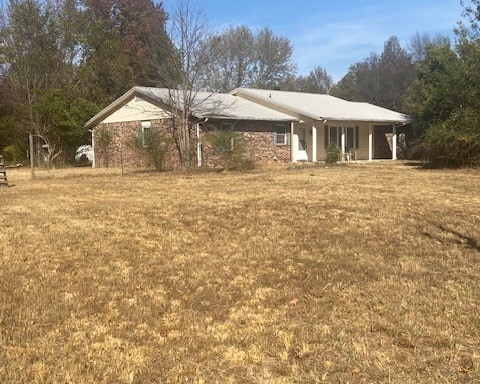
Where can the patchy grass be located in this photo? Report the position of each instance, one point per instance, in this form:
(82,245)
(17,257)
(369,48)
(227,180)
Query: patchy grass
(365,273)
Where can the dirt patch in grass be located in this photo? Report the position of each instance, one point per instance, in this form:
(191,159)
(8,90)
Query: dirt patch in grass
(362,273)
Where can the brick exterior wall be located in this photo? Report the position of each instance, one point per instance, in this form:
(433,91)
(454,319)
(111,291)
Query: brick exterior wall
(123,148)
(259,140)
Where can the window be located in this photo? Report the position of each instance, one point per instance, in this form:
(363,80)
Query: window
(352,137)
(146,133)
(333,136)
(280,134)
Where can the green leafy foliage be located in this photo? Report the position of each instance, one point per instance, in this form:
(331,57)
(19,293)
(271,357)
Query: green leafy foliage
(438,89)
(62,61)
(63,117)
(380,79)
(104,143)
(124,44)
(230,148)
(332,154)
(444,102)
(456,142)
(14,154)
(155,145)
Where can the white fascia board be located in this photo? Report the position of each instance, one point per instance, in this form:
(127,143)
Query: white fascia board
(112,107)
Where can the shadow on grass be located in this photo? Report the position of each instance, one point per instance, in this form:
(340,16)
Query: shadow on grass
(469,241)
(461,238)
(423,164)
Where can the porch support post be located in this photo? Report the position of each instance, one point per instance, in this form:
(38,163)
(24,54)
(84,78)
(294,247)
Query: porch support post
(314,142)
(293,155)
(370,142)
(394,142)
(343,142)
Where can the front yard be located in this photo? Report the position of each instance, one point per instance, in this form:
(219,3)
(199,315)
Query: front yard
(361,273)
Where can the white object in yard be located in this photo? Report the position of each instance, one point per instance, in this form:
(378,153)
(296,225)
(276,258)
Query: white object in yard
(84,153)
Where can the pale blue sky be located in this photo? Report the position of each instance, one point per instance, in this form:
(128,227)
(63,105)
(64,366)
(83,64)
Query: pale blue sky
(334,34)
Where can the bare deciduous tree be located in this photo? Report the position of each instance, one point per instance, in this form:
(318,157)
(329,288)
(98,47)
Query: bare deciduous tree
(242,58)
(189,32)
(471,12)
(233,51)
(317,81)
(272,60)
(420,42)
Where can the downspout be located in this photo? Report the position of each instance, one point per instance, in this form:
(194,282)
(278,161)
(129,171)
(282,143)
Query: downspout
(370,142)
(93,147)
(199,144)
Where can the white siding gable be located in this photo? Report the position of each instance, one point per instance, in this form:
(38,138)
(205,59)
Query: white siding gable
(136,109)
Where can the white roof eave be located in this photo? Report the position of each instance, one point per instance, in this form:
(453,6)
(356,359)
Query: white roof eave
(390,121)
(112,107)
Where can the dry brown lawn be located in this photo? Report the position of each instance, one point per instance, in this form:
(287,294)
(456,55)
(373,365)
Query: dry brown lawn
(367,273)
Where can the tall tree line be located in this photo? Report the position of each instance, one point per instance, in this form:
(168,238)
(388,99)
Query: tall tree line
(435,82)
(380,79)
(61,61)
(444,99)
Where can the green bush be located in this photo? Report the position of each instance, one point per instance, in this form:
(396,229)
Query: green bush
(104,143)
(455,143)
(14,154)
(230,147)
(156,146)
(333,154)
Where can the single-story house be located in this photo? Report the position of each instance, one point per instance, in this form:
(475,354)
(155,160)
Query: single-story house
(277,125)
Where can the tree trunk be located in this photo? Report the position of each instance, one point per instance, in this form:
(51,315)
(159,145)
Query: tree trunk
(183,142)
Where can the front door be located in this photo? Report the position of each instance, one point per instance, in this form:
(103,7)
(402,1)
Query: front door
(302,144)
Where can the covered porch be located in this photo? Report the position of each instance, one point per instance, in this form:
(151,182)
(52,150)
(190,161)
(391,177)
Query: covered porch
(359,140)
